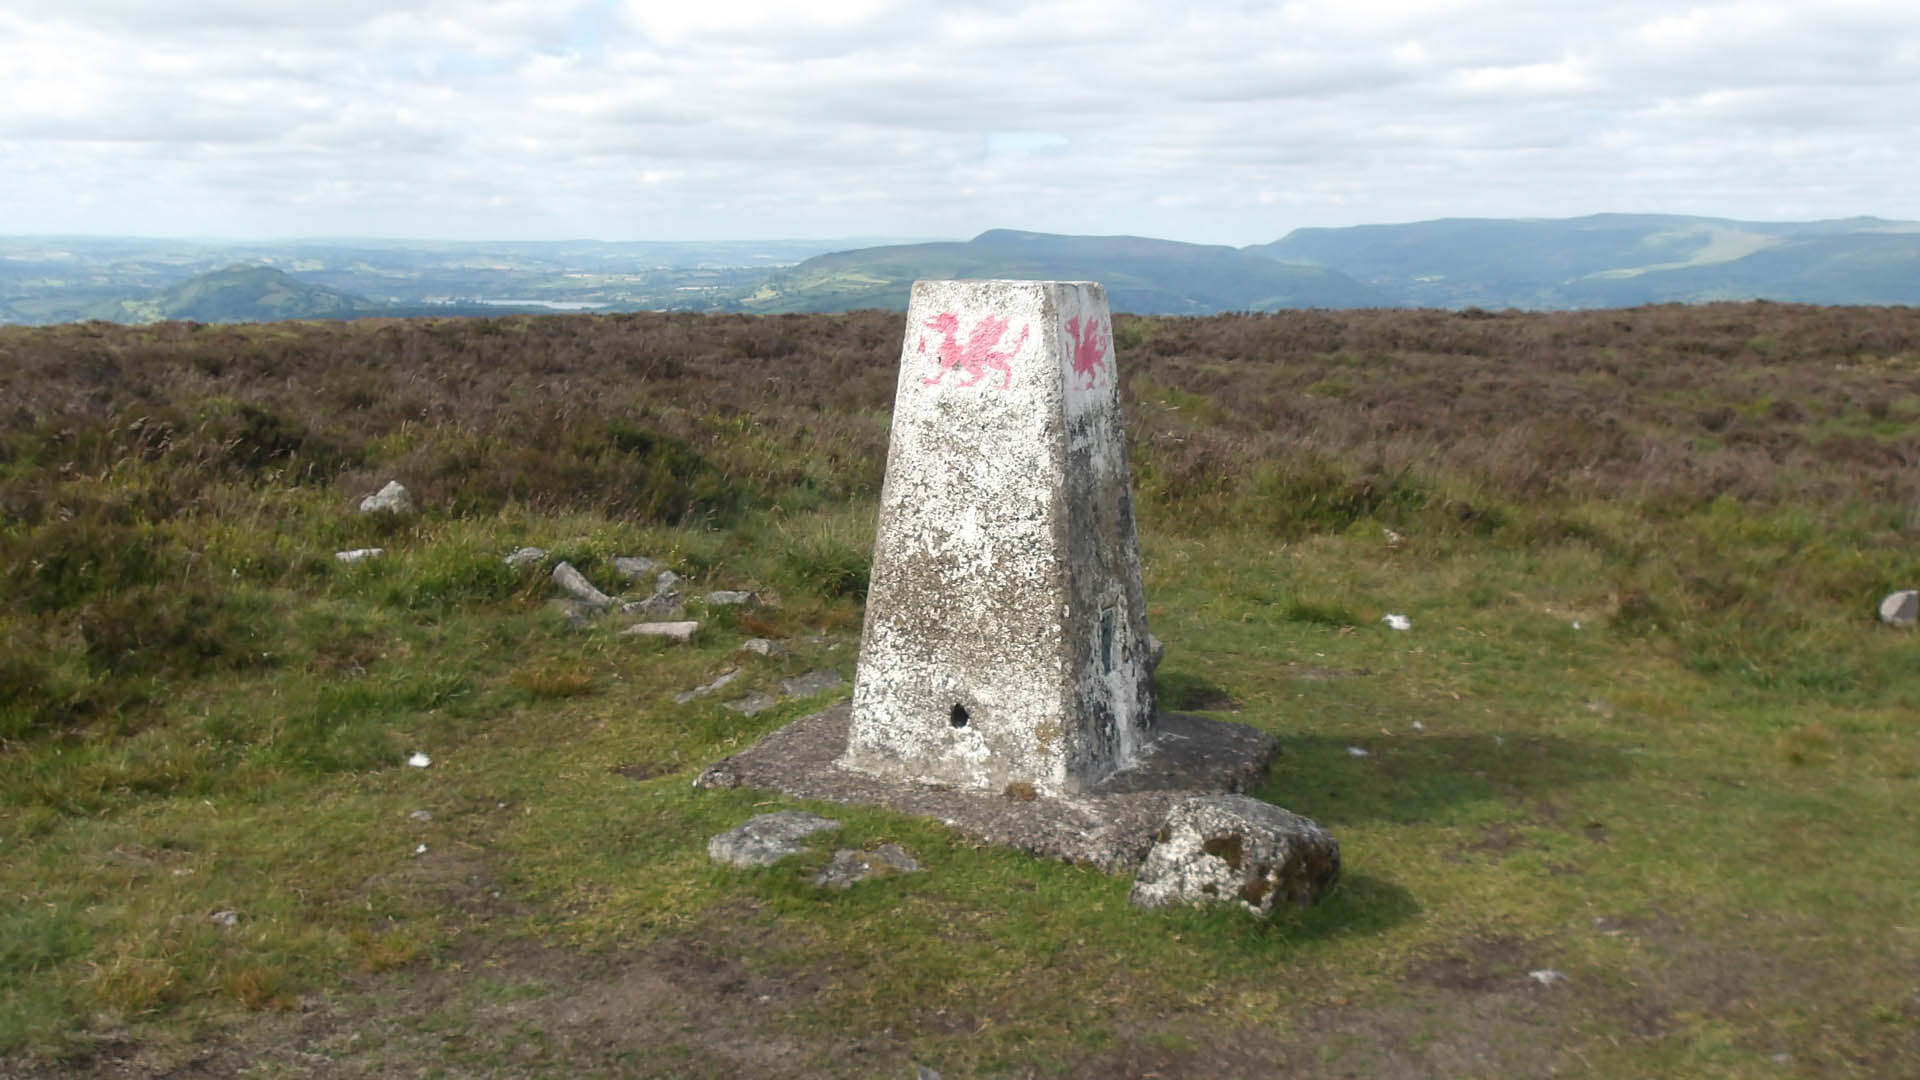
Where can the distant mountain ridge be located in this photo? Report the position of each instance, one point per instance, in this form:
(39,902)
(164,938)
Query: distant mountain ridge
(1618,260)
(1141,275)
(1600,260)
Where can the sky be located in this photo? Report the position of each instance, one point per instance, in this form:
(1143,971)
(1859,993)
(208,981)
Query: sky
(757,119)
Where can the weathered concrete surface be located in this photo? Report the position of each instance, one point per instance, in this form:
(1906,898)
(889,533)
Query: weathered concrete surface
(1110,826)
(1006,637)
(767,838)
(1233,849)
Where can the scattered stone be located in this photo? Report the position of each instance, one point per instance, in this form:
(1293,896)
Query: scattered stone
(575,612)
(392,499)
(523,556)
(655,607)
(1901,609)
(422,816)
(763,647)
(1397,621)
(359,554)
(1237,849)
(1547,976)
(849,867)
(768,838)
(1600,707)
(813,682)
(753,704)
(666,584)
(421,850)
(681,632)
(1394,539)
(634,567)
(719,681)
(1156,652)
(225,920)
(1418,726)
(921,1072)
(419,760)
(1355,751)
(577,586)
(729,598)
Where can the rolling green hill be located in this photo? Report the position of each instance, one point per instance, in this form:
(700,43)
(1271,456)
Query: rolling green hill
(1142,275)
(240,294)
(1613,260)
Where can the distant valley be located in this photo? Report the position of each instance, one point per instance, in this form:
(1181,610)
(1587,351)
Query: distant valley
(1603,260)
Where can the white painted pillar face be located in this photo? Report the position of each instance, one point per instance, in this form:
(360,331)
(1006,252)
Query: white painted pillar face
(1005,633)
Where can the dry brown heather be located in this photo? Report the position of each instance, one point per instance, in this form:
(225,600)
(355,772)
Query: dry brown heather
(1365,411)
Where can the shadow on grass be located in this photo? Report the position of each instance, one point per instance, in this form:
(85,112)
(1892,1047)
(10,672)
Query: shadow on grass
(1410,779)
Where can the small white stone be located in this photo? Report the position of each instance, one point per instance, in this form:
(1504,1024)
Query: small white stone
(672,631)
(225,920)
(420,816)
(1418,726)
(419,760)
(1355,751)
(1547,976)
(1397,621)
(392,499)
(421,850)
(522,556)
(359,554)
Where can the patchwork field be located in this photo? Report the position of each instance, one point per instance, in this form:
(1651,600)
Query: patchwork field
(1635,794)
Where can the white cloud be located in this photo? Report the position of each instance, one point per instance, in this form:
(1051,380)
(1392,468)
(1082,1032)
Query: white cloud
(1213,121)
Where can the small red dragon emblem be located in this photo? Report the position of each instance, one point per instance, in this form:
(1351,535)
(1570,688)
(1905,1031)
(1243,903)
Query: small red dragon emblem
(1089,349)
(978,354)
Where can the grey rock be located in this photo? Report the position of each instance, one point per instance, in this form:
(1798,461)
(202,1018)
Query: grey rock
(634,567)
(576,613)
(1236,849)
(392,499)
(667,584)
(729,598)
(1156,652)
(813,682)
(422,816)
(655,607)
(359,554)
(849,867)
(921,1072)
(523,556)
(1547,976)
(763,647)
(577,586)
(681,632)
(768,838)
(225,920)
(719,681)
(753,704)
(1900,609)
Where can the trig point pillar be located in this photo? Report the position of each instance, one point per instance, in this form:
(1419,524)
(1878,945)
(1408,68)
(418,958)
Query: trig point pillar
(1006,634)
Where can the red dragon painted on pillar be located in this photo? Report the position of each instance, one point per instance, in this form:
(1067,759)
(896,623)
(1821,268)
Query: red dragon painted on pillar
(1089,349)
(978,354)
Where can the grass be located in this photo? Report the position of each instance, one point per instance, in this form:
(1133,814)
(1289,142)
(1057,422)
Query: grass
(1644,730)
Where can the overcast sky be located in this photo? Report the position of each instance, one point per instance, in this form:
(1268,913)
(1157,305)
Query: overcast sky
(744,119)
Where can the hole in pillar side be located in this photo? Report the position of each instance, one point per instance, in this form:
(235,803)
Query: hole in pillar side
(958,716)
(1106,642)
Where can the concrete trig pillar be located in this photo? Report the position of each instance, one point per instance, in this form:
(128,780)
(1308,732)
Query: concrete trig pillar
(1006,634)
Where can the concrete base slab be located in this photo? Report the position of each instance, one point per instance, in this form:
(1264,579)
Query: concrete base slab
(1111,827)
